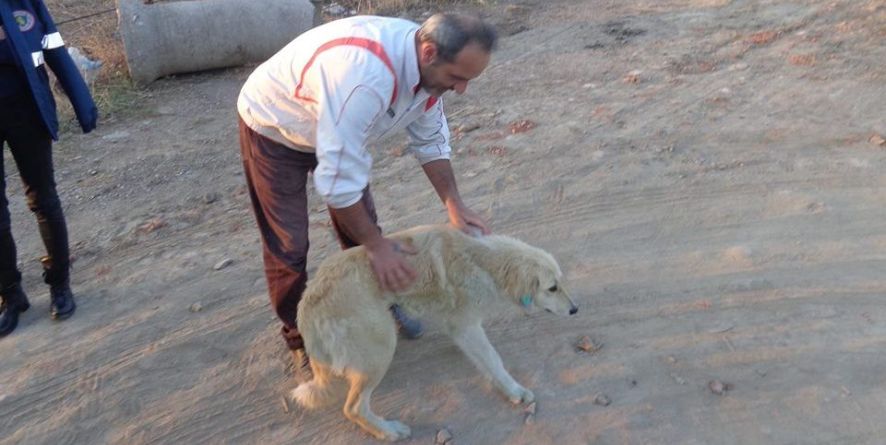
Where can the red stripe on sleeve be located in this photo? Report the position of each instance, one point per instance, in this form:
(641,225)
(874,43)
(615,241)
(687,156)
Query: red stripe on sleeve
(370,45)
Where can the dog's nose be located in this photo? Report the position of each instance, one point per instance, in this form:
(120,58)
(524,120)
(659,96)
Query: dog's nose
(573,310)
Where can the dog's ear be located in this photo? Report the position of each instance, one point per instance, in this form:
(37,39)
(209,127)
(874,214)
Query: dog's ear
(520,277)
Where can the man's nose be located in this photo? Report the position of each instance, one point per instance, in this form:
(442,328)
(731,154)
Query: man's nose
(460,87)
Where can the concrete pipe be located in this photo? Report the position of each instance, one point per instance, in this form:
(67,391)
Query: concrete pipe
(162,38)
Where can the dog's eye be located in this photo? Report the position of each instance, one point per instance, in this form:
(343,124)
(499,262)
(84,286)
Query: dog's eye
(553,288)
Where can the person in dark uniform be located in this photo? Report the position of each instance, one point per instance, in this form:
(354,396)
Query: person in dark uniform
(29,42)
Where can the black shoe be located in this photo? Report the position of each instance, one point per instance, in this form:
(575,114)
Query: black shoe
(14,303)
(409,328)
(63,305)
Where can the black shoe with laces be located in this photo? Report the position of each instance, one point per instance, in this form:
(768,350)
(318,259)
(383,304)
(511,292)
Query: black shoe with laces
(14,303)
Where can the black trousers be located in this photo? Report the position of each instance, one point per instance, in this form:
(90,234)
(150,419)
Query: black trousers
(277,177)
(23,131)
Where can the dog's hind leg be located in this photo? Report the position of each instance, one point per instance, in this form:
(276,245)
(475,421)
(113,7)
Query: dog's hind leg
(472,340)
(365,358)
(357,408)
(319,391)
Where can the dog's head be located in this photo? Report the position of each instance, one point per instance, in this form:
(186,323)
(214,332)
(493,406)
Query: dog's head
(534,278)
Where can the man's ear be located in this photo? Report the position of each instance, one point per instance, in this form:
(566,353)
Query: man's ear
(428,53)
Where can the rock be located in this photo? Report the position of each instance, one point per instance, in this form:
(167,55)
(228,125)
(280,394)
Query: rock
(762,37)
(530,409)
(443,437)
(802,59)
(196,307)
(152,225)
(587,345)
(876,139)
(632,77)
(211,197)
(497,150)
(719,388)
(116,136)
(678,379)
(602,400)
(467,128)
(521,126)
(223,264)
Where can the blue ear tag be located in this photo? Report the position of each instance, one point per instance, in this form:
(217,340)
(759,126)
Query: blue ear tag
(526,300)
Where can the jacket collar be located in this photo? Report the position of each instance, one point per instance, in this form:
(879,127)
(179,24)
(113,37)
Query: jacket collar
(411,74)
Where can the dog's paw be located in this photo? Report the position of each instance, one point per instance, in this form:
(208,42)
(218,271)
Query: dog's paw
(521,395)
(394,430)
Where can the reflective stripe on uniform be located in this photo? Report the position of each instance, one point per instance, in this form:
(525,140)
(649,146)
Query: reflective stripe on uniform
(37,57)
(52,41)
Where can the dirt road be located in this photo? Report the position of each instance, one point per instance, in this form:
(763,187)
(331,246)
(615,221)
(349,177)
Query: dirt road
(708,173)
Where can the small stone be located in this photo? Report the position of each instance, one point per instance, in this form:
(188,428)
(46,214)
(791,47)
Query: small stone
(678,379)
(802,59)
(521,126)
(497,150)
(671,359)
(467,128)
(223,264)
(210,198)
(876,139)
(719,388)
(602,400)
(587,345)
(632,77)
(443,437)
(196,307)
(530,409)
(285,404)
(152,225)
(116,136)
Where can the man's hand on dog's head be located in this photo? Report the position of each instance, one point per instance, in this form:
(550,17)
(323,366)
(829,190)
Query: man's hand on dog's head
(390,267)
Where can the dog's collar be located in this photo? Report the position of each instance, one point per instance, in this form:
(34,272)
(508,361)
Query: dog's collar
(526,300)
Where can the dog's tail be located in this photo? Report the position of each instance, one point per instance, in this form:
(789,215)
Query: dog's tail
(318,392)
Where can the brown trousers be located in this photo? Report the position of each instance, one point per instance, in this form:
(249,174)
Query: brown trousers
(276,177)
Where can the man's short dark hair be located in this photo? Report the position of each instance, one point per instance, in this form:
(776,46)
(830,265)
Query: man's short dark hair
(452,32)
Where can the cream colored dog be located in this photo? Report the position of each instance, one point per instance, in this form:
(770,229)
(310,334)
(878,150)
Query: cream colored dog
(349,332)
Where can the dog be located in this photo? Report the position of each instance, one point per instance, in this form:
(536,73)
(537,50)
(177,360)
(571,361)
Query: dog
(349,333)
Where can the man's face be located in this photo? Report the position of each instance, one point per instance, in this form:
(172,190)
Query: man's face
(438,76)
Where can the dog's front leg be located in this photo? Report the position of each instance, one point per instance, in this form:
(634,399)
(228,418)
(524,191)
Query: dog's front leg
(472,340)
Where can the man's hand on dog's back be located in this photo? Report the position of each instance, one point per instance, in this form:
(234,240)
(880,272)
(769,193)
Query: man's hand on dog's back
(391,269)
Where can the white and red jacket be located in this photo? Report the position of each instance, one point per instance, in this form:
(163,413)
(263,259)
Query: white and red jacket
(339,87)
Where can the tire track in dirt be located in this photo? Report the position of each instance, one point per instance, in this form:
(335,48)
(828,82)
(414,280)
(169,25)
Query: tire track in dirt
(613,201)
